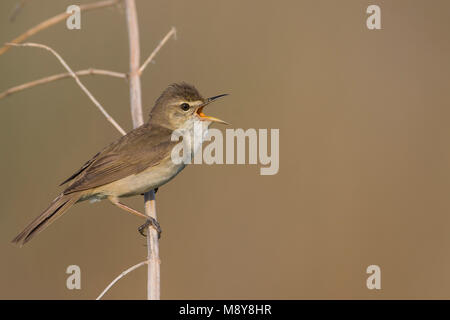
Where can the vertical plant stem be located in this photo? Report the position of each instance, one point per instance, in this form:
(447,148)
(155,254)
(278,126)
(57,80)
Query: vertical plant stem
(153,281)
(135,56)
(153,270)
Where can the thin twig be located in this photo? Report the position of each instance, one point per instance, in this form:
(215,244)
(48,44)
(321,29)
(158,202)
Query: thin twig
(120,276)
(153,279)
(54,20)
(172,32)
(98,105)
(60,76)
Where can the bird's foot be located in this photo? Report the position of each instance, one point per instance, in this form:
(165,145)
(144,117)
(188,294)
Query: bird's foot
(150,222)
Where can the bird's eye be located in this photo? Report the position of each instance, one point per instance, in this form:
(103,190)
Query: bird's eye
(185,106)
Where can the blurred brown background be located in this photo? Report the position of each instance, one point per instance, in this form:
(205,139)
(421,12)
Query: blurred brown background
(364,156)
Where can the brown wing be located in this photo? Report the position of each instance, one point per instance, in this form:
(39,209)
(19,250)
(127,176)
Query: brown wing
(140,149)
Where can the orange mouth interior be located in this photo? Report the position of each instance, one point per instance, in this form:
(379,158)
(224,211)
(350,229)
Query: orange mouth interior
(200,112)
(204,117)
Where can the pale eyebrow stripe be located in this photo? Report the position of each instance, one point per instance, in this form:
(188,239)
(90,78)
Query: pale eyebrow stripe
(191,103)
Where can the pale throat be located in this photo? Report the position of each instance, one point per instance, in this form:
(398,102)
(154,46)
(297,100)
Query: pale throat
(194,132)
(198,130)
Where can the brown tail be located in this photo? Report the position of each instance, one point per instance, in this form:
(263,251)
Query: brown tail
(54,211)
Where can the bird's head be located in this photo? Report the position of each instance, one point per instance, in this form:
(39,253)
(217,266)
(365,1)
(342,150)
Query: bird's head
(181,105)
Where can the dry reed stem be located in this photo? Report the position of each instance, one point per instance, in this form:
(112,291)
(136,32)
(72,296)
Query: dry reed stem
(56,19)
(120,276)
(97,104)
(52,78)
(172,32)
(153,280)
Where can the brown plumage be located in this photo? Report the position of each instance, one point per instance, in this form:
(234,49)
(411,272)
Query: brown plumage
(55,210)
(133,164)
(140,149)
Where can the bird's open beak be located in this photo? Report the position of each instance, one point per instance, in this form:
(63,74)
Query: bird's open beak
(205,117)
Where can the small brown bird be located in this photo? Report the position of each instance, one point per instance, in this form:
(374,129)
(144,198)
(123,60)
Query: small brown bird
(135,163)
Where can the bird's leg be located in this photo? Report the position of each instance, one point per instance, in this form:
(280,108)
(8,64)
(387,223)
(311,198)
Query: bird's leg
(150,221)
(119,204)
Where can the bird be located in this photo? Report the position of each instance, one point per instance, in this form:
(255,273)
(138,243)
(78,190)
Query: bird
(135,163)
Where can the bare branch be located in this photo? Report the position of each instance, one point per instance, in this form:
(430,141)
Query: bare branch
(120,276)
(153,271)
(135,81)
(153,280)
(172,32)
(99,106)
(60,76)
(54,20)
